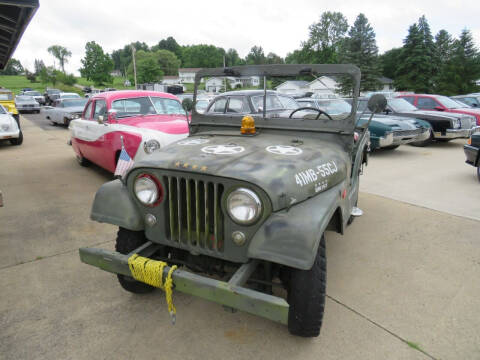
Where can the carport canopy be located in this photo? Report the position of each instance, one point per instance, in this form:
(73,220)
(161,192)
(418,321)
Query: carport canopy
(14,19)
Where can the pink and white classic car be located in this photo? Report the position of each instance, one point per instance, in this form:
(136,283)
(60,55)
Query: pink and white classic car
(143,121)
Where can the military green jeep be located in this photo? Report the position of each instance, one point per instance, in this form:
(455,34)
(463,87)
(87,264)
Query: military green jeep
(241,206)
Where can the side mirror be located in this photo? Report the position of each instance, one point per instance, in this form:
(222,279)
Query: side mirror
(438,108)
(100,119)
(377,103)
(112,114)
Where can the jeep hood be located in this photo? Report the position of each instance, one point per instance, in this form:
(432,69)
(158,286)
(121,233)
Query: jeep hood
(288,170)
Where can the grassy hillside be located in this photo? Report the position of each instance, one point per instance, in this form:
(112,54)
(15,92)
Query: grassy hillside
(117,83)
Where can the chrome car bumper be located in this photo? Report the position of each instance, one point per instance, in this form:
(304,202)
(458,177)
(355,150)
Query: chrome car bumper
(393,139)
(9,134)
(456,133)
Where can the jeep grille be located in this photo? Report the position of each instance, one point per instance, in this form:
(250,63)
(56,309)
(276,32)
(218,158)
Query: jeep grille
(194,215)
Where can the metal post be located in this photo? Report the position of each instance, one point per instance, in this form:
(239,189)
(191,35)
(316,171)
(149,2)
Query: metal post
(264,97)
(134,66)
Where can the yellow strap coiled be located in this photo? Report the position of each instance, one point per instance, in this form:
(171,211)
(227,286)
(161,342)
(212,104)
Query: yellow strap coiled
(150,272)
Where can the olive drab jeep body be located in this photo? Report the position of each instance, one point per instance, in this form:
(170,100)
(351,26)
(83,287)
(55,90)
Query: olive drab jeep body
(245,198)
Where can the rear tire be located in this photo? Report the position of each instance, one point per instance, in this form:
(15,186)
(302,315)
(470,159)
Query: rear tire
(17,141)
(66,122)
(127,241)
(306,296)
(82,161)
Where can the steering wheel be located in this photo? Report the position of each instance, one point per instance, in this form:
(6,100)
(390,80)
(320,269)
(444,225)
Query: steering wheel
(320,112)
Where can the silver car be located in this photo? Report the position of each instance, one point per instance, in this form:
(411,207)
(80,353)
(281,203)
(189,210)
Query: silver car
(65,110)
(25,103)
(36,95)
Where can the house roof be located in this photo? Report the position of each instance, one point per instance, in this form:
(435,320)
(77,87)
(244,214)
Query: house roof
(15,15)
(189,70)
(299,83)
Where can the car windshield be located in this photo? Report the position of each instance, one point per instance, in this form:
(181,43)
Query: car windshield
(400,105)
(74,102)
(2,110)
(146,106)
(202,105)
(53,91)
(23,98)
(335,106)
(70,96)
(273,102)
(32,93)
(461,104)
(449,103)
(6,96)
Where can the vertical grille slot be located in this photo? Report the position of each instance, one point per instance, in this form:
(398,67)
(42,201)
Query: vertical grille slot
(194,213)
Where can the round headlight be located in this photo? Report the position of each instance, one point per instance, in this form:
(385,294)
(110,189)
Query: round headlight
(146,190)
(5,127)
(244,206)
(151,146)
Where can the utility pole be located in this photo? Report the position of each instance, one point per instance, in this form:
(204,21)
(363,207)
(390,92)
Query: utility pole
(134,66)
(224,79)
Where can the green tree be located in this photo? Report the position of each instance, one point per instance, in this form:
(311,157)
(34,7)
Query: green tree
(416,66)
(389,62)
(443,58)
(49,75)
(97,65)
(232,58)
(14,67)
(273,58)
(360,48)
(61,54)
(38,65)
(202,56)
(30,76)
(169,44)
(123,57)
(168,61)
(256,56)
(148,67)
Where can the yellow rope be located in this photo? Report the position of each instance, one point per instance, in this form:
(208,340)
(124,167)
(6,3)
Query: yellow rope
(150,272)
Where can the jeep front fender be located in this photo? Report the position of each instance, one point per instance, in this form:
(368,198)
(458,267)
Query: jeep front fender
(113,205)
(291,237)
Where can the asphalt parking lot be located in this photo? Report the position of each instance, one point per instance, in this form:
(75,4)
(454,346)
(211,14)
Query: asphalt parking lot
(402,282)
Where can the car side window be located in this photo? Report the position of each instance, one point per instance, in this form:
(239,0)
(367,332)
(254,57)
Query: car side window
(100,109)
(237,104)
(218,106)
(410,99)
(87,114)
(426,103)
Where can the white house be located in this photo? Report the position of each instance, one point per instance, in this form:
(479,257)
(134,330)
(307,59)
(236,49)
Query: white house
(291,87)
(170,80)
(387,84)
(187,75)
(216,84)
(324,85)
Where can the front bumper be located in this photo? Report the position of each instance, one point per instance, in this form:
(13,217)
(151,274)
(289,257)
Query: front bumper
(231,294)
(456,133)
(9,134)
(394,139)
(471,154)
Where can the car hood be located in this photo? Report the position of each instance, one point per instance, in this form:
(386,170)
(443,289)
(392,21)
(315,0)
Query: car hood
(6,119)
(287,174)
(389,122)
(170,124)
(430,115)
(74,109)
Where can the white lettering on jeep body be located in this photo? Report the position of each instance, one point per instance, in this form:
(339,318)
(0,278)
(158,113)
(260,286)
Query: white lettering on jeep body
(311,175)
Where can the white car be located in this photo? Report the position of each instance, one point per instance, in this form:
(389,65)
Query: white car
(9,129)
(65,110)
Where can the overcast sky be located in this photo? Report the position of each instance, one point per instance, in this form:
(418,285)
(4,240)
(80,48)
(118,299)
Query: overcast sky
(278,26)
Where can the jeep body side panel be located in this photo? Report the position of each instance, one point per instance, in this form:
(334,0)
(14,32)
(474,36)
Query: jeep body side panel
(291,237)
(113,205)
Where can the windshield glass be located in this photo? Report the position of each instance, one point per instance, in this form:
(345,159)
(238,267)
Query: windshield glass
(70,96)
(202,105)
(448,103)
(400,105)
(53,91)
(147,106)
(75,102)
(335,107)
(2,110)
(273,102)
(32,93)
(6,96)
(461,104)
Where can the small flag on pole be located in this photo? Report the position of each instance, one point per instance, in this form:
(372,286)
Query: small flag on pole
(124,163)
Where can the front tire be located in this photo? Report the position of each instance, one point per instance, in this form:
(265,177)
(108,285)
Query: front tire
(127,241)
(17,141)
(82,161)
(306,296)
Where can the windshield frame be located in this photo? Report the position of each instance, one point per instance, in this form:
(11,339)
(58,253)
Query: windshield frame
(346,125)
(149,97)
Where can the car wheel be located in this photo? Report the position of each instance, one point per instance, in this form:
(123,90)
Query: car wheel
(478,173)
(127,241)
(306,296)
(391,147)
(17,119)
(82,161)
(66,122)
(17,141)
(424,142)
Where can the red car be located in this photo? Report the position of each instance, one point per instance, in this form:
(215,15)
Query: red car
(147,121)
(440,103)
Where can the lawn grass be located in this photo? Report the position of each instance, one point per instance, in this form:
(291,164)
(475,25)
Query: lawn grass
(117,83)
